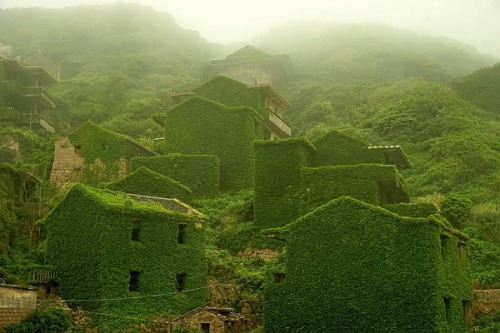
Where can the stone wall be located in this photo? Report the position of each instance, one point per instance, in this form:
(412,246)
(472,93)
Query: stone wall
(15,304)
(68,164)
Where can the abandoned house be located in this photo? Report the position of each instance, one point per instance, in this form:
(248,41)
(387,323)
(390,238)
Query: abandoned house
(212,320)
(354,267)
(124,253)
(23,99)
(91,154)
(221,118)
(331,166)
(250,66)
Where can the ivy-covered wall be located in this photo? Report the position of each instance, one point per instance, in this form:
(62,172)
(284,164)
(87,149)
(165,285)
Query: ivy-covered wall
(422,209)
(231,93)
(89,237)
(106,154)
(287,186)
(200,173)
(278,171)
(336,148)
(353,267)
(200,126)
(144,181)
(372,183)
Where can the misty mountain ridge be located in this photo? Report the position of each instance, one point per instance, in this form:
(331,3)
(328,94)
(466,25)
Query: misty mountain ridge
(98,35)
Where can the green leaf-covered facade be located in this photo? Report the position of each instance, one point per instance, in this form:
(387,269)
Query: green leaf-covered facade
(294,176)
(122,257)
(354,267)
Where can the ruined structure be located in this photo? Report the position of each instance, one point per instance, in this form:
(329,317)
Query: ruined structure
(16,303)
(91,154)
(250,66)
(23,99)
(359,256)
(355,267)
(123,253)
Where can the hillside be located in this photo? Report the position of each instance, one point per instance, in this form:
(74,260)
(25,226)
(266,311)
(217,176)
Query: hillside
(481,89)
(118,65)
(111,60)
(373,52)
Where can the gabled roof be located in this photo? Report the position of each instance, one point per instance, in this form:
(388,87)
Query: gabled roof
(90,129)
(247,53)
(144,181)
(334,207)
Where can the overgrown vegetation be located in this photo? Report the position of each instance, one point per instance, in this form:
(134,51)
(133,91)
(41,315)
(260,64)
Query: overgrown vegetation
(118,64)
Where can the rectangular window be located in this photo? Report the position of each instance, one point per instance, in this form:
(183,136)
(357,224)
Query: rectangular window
(136,231)
(180,282)
(133,284)
(205,327)
(462,253)
(278,277)
(447,307)
(181,233)
(467,313)
(444,240)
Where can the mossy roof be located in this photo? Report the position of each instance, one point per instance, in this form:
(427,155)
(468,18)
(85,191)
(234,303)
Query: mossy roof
(44,77)
(283,232)
(109,200)
(90,126)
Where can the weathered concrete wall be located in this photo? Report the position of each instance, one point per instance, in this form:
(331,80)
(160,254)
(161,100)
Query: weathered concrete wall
(15,304)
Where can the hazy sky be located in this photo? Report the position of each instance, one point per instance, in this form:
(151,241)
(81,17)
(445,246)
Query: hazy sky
(476,22)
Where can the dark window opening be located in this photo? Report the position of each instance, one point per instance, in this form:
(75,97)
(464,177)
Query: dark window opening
(278,277)
(48,289)
(447,307)
(135,234)
(467,313)
(462,253)
(444,240)
(205,327)
(133,284)
(77,149)
(180,282)
(181,234)
(136,231)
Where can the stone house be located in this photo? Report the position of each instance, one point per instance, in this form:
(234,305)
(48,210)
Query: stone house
(251,66)
(354,267)
(316,172)
(16,303)
(221,118)
(212,320)
(91,154)
(124,252)
(23,99)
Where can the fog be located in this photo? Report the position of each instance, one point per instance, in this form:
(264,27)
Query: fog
(475,22)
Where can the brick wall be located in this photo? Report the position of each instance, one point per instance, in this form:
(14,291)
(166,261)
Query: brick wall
(11,316)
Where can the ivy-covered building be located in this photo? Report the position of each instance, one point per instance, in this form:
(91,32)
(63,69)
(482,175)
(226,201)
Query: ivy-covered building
(23,99)
(91,154)
(316,172)
(251,66)
(126,257)
(355,267)
(220,119)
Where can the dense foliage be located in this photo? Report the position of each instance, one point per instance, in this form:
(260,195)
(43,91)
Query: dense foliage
(118,64)
(329,289)
(95,257)
(54,320)
(200,126)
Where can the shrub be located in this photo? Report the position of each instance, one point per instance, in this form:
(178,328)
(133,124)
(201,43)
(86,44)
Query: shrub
(42,320)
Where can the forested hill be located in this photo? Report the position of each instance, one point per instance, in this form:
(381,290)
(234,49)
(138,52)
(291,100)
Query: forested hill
(103,39)
(372,52)
(482,88)
(120,63)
